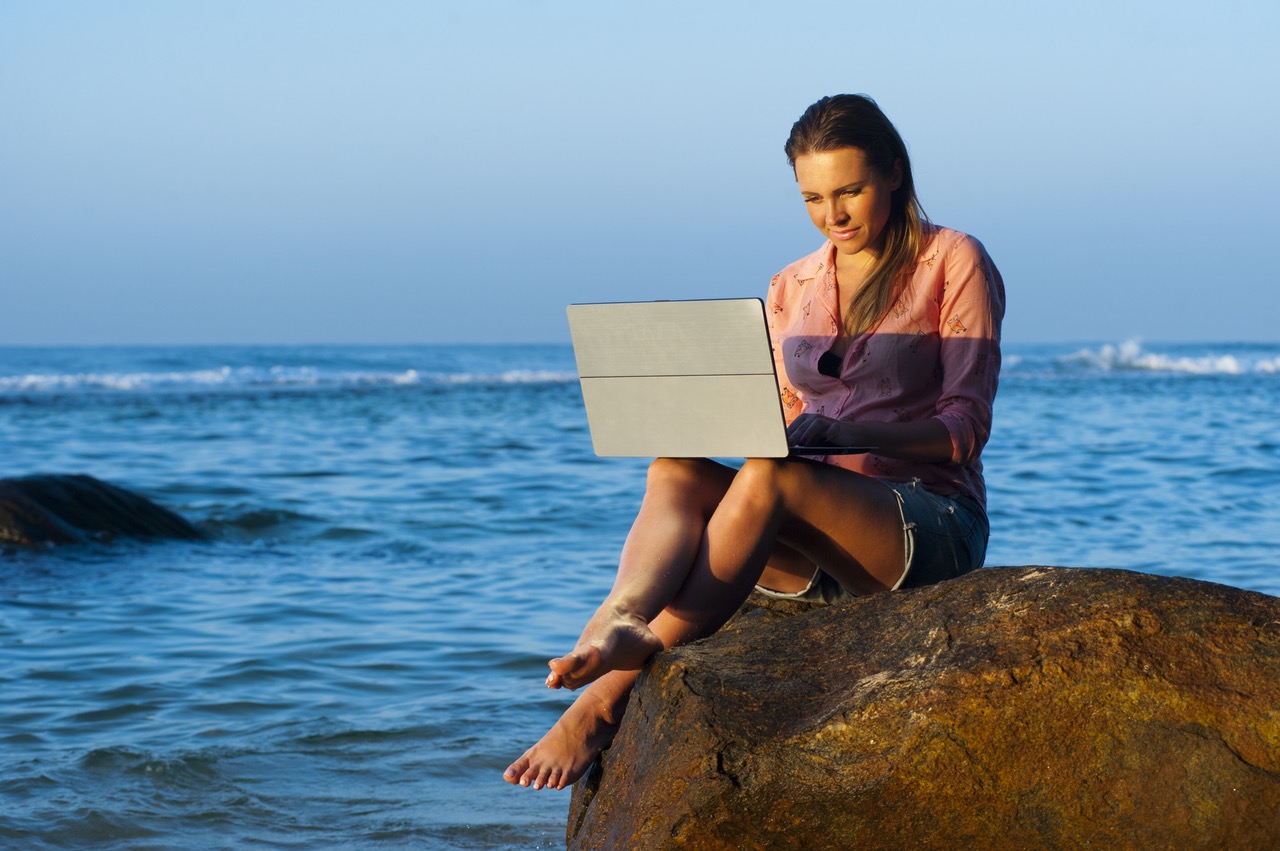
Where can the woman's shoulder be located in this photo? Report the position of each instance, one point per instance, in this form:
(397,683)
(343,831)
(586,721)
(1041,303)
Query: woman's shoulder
(949,252)
(951,256)
(949,243)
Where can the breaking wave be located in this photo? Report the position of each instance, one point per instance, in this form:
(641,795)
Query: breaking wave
(1130,356)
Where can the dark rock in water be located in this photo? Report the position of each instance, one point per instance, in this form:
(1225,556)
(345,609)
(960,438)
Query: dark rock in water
(41,510)
(1011,708)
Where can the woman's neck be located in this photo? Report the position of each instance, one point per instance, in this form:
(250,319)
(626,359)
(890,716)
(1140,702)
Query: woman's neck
(852,272)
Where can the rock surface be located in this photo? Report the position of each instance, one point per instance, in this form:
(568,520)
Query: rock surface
(43,510)
(1011,708)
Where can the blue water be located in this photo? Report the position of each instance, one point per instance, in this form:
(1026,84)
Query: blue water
(399,538)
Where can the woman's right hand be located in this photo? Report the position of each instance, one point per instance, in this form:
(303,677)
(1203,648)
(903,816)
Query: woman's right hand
(817,430)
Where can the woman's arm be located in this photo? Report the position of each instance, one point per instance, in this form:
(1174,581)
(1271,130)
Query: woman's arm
(924,440)
(972,309)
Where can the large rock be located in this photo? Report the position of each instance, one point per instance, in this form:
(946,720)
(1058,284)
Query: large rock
(1011,708)
(43,510)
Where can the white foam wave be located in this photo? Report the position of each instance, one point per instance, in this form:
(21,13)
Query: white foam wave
(1270,367)
(241,378)
(516,376)
(1130,355)
(46,383)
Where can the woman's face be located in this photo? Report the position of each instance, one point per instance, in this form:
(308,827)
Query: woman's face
(847,199)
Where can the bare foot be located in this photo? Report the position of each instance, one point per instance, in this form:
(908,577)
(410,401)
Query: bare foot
(567,750)
(613,640)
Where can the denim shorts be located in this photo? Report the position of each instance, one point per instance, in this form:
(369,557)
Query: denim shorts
(945,537)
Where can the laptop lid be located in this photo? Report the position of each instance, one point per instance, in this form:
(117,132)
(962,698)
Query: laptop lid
(680,379)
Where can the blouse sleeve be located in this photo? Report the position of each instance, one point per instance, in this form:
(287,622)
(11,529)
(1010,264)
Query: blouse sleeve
(972,308)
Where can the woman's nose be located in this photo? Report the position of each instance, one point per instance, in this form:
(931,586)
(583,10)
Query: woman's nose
(835,213)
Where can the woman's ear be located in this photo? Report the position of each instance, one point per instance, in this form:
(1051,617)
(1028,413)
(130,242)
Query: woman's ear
(895,178)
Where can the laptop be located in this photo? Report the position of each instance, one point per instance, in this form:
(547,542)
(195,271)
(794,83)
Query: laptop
(682,379)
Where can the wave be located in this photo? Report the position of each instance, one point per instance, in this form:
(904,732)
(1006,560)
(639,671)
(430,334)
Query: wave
(258,378)
(190,371)
(1130,356)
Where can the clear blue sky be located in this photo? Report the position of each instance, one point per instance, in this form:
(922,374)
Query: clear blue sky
(265,171)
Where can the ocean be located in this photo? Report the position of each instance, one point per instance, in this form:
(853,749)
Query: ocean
(400,536)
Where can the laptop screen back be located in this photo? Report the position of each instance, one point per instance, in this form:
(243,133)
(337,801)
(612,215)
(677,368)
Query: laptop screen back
(679,379)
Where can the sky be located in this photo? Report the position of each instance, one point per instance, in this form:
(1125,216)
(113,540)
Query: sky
(303,171)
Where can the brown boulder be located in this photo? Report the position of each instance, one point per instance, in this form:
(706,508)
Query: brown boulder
(1011,708)
(68,509)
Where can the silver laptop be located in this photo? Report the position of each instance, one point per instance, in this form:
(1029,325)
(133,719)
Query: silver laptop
(682,379)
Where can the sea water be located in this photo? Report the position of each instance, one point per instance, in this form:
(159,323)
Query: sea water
(399,537)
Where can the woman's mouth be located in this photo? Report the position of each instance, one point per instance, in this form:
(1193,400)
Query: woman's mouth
(843,234)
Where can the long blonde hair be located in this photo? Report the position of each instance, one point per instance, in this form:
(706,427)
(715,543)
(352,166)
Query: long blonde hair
(856,121)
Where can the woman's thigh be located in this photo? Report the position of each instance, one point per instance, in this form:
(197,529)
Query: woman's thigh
(847,524)
(945,537)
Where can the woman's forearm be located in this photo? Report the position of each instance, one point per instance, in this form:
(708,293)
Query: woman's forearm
(924,440)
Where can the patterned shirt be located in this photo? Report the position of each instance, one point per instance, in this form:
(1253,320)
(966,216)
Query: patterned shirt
(936,353)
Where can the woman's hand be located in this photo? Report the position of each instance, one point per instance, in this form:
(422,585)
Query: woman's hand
(817,430)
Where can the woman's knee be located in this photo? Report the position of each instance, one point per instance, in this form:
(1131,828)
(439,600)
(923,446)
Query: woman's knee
(688,476)
(763,475)
(673,470)
(760,484)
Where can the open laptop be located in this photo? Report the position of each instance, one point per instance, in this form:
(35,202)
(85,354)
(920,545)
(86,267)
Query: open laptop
(682,379)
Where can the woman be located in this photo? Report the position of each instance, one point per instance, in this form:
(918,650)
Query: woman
(886,336)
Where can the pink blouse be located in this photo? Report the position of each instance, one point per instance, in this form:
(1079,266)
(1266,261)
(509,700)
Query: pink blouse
(935,354)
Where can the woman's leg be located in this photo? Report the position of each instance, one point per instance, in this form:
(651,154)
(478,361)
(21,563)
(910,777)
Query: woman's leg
(588,726)
(848,524)
(680,497)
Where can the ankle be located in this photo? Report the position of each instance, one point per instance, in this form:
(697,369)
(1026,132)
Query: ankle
(607,709)
(616,610)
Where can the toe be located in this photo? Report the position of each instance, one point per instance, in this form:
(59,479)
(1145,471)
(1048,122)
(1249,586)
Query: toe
(515,770)
(565,664)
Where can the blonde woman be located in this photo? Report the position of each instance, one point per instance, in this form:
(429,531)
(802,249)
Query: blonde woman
(887,336)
